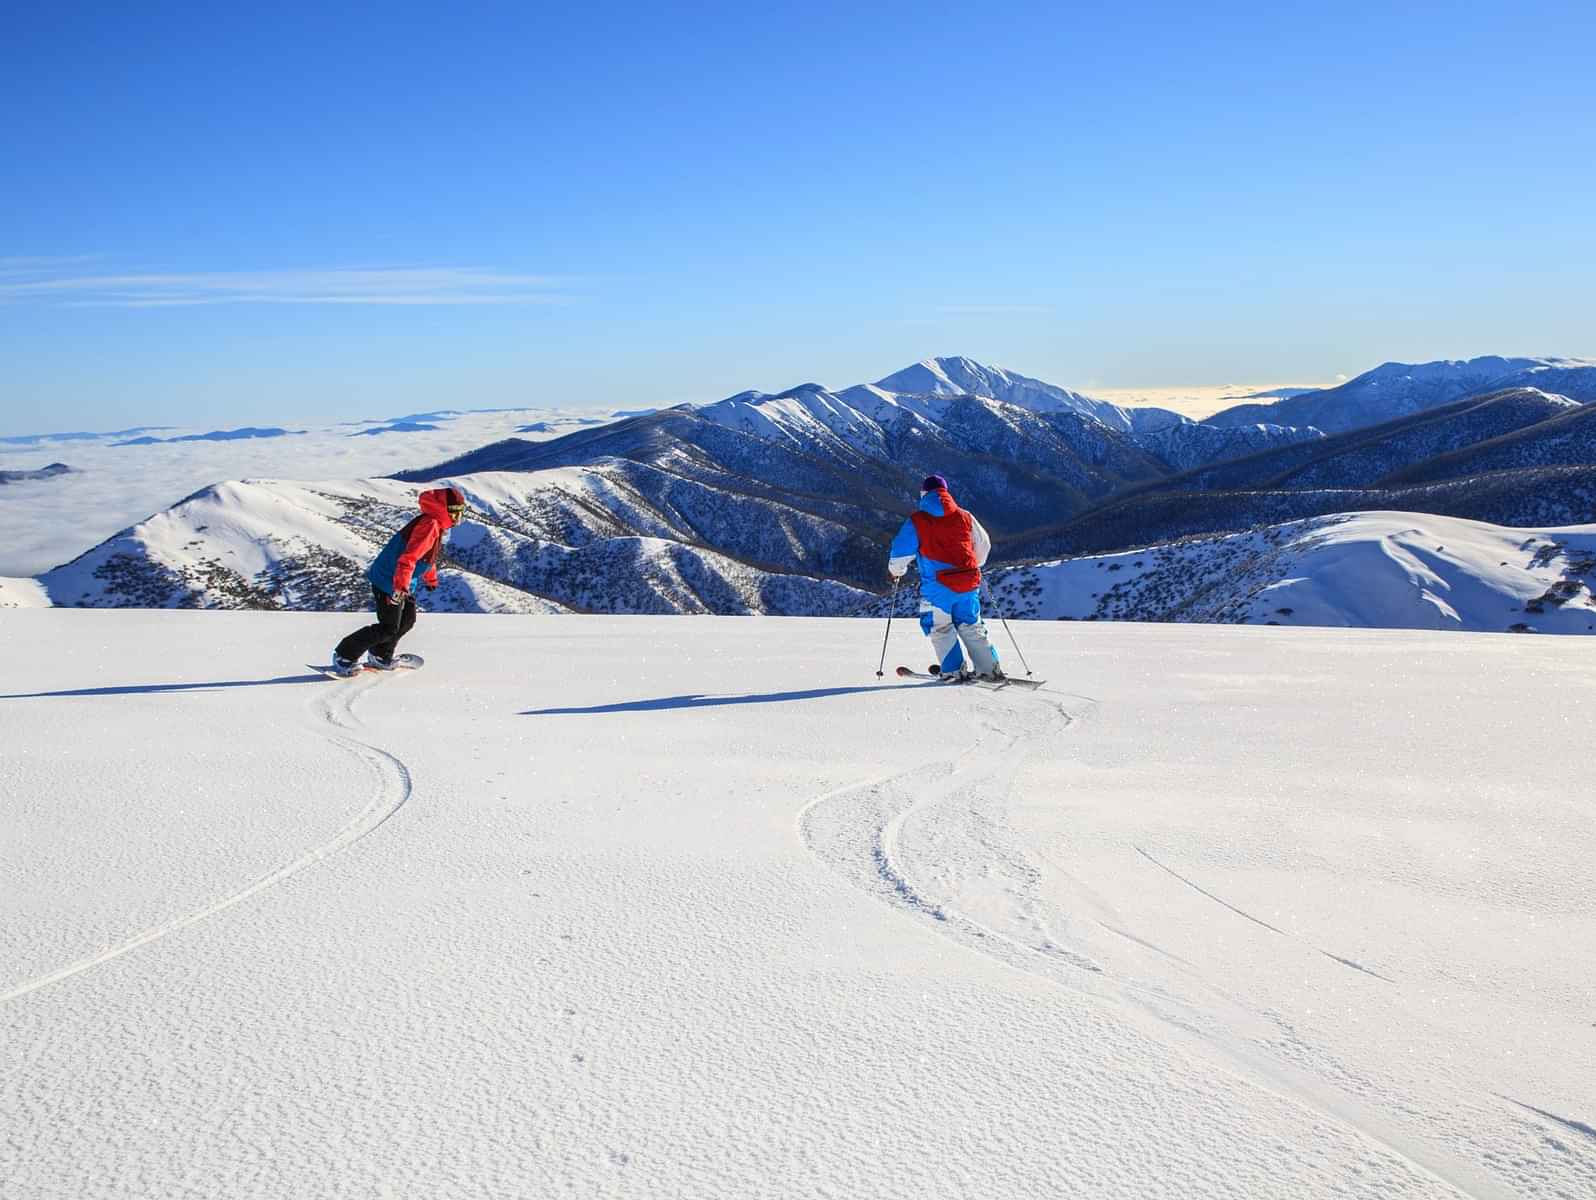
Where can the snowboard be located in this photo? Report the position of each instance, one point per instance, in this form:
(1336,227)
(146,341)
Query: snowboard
(401,662)
(995,685)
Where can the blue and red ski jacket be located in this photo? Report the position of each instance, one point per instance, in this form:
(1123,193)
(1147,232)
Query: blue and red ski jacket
(950,544)
(418,544)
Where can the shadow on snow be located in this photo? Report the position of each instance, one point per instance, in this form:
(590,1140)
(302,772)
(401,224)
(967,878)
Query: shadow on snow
(701,701)
(150,689)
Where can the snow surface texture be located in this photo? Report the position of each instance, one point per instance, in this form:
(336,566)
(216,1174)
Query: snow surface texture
(1388,570)
(580,908)
(110,487)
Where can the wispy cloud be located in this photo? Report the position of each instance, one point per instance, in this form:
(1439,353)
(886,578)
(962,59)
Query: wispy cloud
(50,282)
(992,310)
(37,264)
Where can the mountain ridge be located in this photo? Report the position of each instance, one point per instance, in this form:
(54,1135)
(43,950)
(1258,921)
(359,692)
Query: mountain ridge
(1395,389)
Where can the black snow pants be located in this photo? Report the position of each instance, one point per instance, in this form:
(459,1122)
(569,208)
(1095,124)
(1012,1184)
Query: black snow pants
(395,616)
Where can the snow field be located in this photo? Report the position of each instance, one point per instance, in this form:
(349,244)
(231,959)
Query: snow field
(698,907)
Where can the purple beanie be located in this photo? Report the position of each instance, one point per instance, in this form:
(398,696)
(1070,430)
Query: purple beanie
(934,483)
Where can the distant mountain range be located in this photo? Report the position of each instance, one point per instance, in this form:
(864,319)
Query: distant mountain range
(396,427)
(215,435)
(39,439)
(1518,457)
(49,472)
(782,503)
(1394,390)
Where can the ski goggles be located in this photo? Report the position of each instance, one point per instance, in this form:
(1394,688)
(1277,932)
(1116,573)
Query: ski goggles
(457,513)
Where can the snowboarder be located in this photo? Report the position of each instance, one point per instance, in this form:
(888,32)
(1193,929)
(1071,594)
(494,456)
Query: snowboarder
(393,580)
(952,547)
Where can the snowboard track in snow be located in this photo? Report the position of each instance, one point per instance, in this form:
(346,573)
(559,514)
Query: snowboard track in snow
(393,790)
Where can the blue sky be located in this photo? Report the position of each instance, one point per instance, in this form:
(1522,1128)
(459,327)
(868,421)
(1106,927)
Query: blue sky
(211,216)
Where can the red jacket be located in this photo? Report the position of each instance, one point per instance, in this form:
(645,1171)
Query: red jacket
(418,544)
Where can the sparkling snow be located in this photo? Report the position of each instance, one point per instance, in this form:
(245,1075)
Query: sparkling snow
(698,907)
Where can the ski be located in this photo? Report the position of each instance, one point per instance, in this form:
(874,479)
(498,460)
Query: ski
(401,662)
(994,685)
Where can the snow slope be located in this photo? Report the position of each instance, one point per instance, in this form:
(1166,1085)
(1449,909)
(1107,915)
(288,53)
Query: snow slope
(23,593)
(545,541)
(695,907)
(1391,570)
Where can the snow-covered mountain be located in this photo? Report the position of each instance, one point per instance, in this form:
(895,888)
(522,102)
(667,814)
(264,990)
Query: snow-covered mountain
(1536,466)
(783,503)
(1393,570)
(618,538)
(959,376)
(113,486)
(1531,498)
(1020,465)
(1566,439)
(1014,466)
(876,420)
(1367,456)
(1395,389)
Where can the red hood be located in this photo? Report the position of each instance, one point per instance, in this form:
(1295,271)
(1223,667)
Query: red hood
(939,503)
(436,504)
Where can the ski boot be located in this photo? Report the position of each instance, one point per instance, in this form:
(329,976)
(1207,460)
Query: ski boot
(377,663)
(344,666)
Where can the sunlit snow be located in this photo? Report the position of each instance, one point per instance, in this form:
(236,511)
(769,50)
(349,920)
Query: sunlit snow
(699,907)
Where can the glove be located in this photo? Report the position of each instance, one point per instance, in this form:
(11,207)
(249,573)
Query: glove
(431,580)
(896,572)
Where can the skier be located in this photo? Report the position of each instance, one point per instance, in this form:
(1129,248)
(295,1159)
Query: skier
(952,547)
(393,580)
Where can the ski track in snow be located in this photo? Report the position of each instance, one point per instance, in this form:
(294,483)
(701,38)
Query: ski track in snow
(1345,962)
(338,723)
(1577,1126)
(858,830)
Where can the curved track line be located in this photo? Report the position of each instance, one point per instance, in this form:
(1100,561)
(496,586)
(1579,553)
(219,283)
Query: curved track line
(867,854)
(393,790)
(1345,962)
(889,881)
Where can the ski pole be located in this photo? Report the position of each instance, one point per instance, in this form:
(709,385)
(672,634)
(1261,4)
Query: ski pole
(990,593)
(892,607)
